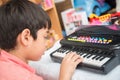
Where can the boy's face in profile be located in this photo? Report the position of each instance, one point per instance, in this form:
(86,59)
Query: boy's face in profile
(38,46)
(33,49)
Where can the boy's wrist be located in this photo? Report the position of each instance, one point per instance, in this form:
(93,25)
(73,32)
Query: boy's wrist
(64,77)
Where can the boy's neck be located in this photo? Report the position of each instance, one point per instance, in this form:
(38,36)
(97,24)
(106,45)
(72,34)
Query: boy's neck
(19,55)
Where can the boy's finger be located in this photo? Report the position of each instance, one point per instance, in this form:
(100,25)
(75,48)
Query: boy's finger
(79,60)
(75,57)
(70,55)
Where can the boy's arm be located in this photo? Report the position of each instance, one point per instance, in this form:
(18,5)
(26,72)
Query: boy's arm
(68,66)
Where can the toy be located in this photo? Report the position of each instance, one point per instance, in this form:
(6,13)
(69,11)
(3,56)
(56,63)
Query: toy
(107,19)
(91,6)
(100,20)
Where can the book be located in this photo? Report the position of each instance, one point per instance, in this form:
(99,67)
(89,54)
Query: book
(72,20)
(46,4)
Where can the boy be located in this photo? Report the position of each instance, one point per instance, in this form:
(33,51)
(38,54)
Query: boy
(23,30)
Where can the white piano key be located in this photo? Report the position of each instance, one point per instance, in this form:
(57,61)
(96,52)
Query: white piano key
(104,60)
(58,54)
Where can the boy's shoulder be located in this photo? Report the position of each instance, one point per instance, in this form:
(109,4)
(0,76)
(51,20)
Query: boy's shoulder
(10,71)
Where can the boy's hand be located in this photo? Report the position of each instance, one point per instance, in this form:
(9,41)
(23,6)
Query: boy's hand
(68,65)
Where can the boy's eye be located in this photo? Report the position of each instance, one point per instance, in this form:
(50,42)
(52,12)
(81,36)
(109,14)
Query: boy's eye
(46,36)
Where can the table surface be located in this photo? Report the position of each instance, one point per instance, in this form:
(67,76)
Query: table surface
(49,69)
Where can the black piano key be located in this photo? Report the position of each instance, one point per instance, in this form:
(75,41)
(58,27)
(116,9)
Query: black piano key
(94,51)
(110,53)
(97,58)
(81,53)
(85,55)
(89,56)
(102,58)
(99,51)
(104,52)
(94,56)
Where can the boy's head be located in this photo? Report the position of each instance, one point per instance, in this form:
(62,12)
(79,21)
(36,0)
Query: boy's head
(18,16)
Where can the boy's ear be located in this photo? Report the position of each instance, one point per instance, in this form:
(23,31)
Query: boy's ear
(25,37)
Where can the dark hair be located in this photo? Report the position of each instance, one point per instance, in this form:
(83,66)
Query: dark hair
(17,15)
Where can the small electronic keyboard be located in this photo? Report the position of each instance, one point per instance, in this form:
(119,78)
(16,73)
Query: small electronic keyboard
(99,47)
